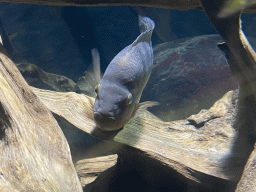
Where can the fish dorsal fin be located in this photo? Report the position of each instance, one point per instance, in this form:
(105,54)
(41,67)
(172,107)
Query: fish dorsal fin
(146,26)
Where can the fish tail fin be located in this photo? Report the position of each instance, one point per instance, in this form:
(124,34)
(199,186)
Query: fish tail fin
(146,26)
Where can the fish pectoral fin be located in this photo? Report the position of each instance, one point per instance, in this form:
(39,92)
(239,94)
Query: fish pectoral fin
(140,107)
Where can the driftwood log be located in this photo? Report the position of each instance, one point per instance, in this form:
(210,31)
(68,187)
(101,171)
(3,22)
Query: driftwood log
(34,153)
(181,141)
(194,147)
(168,4)
(242,61)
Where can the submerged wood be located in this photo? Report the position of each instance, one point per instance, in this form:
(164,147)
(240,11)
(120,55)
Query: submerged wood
(168,4)
(90,169)
(181,4)
(34,153)
(135,168)
(201,142)
(247,182)
(242,60)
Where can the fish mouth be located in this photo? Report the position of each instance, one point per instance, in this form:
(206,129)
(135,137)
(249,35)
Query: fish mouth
(105,122)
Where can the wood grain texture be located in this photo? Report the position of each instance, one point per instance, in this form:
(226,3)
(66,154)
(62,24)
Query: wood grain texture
(34,153)
(242,61)
(89,169)
(247,182)
(172,4)
(168,4)
(215,142)
(179,144)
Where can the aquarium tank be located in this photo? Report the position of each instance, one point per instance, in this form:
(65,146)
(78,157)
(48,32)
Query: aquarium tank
(162,63)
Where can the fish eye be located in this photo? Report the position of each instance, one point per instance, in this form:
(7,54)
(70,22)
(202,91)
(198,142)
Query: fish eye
(97,88)
(129,99)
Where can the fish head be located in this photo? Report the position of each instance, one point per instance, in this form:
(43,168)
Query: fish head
(113,107)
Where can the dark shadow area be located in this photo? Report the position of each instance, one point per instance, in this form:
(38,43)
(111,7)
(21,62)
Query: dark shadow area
(135,171)
(4,121)
(104,135)
(6,41)
(244,120)
(109,29)
(245,137)
(78,140)
(81,28)
(199,125)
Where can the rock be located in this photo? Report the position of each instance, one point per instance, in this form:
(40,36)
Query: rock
(190,74)
(36,77)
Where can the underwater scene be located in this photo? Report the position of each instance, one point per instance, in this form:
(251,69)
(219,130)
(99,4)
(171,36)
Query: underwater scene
(125,98)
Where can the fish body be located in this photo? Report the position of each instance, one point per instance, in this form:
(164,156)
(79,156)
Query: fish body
(120,89)
(231,7)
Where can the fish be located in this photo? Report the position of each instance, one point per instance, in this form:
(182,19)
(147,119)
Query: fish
(119,91)
(232,7)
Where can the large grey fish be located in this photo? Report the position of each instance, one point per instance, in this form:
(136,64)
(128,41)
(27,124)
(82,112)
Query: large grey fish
(120,89)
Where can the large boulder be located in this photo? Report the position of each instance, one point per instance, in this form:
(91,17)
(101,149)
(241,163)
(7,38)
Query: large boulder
(190,74)
(37,77)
